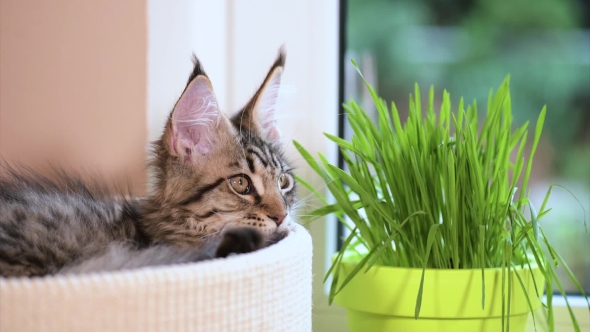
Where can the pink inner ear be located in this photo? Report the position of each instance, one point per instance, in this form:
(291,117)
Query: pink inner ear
(195,120)
(273,133)
(267,104)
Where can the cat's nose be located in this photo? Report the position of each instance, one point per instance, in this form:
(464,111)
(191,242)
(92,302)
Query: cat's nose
(278,219)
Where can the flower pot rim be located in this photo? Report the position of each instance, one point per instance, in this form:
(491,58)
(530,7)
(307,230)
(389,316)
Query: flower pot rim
(533,265)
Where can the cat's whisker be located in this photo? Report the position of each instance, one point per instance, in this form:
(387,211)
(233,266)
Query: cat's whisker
(305,205)
(322,186)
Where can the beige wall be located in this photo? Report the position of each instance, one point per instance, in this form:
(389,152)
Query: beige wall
(73,85)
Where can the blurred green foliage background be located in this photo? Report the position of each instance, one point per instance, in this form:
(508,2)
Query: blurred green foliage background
(468,47)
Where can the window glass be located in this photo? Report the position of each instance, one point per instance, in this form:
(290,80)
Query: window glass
(468,47)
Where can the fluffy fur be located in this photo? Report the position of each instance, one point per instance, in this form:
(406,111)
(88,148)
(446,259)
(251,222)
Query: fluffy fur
(223,186)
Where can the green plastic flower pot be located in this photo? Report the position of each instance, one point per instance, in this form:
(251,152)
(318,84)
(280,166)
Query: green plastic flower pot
(384,299)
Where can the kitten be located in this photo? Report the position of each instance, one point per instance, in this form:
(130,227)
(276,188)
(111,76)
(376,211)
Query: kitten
(223,186)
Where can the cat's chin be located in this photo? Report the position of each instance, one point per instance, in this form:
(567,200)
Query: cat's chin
(284,227)
(276,236)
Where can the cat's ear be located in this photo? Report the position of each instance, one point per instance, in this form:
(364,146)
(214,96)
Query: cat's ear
(259,115)
(194,123)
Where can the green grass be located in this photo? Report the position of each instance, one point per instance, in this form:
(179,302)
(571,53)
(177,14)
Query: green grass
(438,191)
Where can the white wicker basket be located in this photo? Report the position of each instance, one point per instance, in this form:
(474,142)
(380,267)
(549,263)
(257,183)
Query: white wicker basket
(267,290)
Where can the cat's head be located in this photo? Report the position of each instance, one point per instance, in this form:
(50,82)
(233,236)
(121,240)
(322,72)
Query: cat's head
(214,171)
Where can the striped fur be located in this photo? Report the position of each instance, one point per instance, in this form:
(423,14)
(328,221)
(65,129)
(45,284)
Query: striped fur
(63,225)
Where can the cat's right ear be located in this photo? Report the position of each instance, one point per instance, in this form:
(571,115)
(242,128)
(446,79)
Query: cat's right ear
(194,123)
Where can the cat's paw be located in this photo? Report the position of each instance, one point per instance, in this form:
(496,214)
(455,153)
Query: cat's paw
(239,240)
(276,237)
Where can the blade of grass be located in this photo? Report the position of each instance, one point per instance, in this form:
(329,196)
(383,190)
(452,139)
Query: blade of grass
(429,241)
(526,294)
(482,231)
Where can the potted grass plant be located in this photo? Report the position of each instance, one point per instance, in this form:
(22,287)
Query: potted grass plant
(443,236)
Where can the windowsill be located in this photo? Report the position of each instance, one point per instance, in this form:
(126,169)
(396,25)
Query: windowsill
(574,300)
(561,313)
(333,318)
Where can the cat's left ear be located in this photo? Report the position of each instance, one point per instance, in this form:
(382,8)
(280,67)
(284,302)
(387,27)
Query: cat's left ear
(259,115)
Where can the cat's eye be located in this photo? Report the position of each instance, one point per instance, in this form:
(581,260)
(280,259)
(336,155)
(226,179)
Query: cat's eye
(283,181)
(240,184)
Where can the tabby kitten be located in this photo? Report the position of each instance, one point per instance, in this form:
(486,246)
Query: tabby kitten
(222,186)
